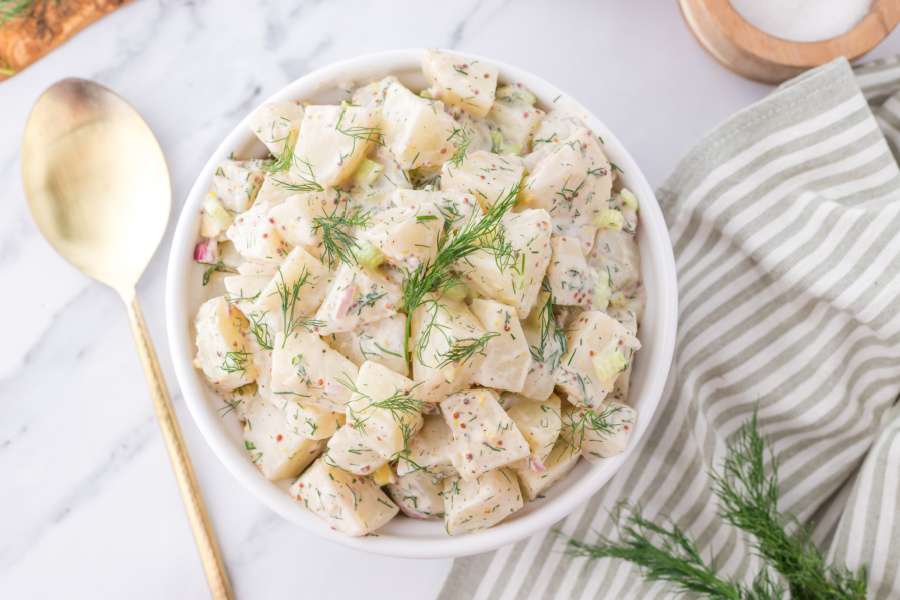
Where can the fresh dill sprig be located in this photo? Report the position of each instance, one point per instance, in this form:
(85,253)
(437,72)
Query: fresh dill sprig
(235,361)
(284,160)
(576,426)
(357,133)
(305,175)
(288,296)
(465,348)
(748,499)
(11,9)
(400,404)
(231,405)
(260,330)
(550,328)
(462,138)
(216,267)
(338,242)
(666,553)
(437,275)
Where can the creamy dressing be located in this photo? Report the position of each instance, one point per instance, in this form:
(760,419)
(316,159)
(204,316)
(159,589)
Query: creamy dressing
(431,299)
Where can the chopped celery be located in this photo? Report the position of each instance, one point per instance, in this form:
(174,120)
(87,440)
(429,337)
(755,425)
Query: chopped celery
(457,292)
(368,256)
(608,365)
(500,146)
(367,172)
(515,94)
(602,293)
(628,199)
(215,218)
(610,218)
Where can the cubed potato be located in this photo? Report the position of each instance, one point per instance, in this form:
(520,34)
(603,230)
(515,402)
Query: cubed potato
(429,450)
(516,281)
(372,94)
(255,237)
(295,218)
(469,84)
(309,369)
(256,269)
(573,182)
(307,418)
(456,208)
(350,503)
(408,237)
(417,131)
(278,187)
(489,177)
(214,218)
(382,417)
(516,118)
(244,290)
(480,503)
(545,337)
(391,175)
(629,319)
(236,183)
(294,292)
(599,348)
(556,127)
(277,450)
(274,123)
(379,341)
(603,432)
(539,423)
(571,281)
(616,254)
(384,409)
(357,296)
(333,140)
(349,449)
(507,357)
(222,350)
(442,331)
(562,458)
(484,436)
(419,495)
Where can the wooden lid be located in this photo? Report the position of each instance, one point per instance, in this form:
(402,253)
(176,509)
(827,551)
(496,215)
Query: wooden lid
(755,54)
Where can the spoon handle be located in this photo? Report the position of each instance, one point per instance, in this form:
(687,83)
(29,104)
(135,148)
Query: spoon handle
(210,556)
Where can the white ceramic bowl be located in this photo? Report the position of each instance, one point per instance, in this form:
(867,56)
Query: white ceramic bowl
(403,536)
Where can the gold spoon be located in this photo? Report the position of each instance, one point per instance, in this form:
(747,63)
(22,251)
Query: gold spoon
(98,187)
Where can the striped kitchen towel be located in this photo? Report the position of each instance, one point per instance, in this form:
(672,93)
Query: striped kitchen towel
(786,227)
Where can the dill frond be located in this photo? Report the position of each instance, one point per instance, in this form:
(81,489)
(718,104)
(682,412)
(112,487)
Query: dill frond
(465,348)
(550,328)
(748,499)
(437,275)
(339,245)
(284,160)
(288,296)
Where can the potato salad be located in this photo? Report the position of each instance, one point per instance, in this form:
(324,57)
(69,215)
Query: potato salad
(421,300)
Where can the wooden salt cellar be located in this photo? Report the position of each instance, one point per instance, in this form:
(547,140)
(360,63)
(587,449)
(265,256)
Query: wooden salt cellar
(757,55)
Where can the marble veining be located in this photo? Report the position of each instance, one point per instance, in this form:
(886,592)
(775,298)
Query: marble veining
(88,505)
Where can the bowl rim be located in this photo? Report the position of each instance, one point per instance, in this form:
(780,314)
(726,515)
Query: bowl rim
(507,532)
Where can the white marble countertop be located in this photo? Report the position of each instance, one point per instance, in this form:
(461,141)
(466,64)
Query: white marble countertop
(88,504)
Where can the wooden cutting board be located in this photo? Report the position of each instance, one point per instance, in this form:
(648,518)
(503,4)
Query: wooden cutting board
(35,27)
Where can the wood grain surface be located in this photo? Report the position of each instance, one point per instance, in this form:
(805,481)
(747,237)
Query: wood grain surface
(42,26)
(755,54)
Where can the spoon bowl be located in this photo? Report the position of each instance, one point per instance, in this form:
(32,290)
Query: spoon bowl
(96,180)
(98,188)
